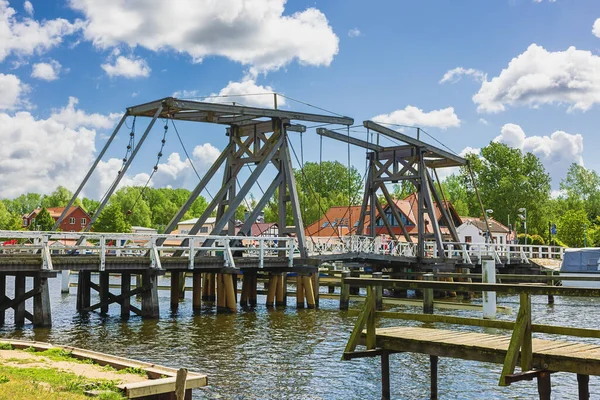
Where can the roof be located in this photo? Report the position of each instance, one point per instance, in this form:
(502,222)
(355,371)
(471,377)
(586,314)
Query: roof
(258,228)
(55,212)
(338,220)
(209,220)
(495,226)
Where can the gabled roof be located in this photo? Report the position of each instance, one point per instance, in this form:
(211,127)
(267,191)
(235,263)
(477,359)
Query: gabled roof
(55,212)
(258,228)
(495,226)
(338,220)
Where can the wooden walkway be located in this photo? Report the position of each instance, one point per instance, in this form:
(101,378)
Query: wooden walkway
(552,355)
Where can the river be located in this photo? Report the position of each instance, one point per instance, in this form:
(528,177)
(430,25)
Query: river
(294,354)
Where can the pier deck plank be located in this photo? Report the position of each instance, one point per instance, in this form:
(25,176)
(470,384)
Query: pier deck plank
(553,355)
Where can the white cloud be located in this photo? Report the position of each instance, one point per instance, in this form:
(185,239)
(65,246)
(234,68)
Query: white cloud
(254,32)
(72,118)
(26,36)
(556,151)
(355,32)
(11,91)
(128,67)
(413,116)
(469,150)
(596,28)
(28,7)
(539,77)
(46,71)
(454,75)
(248,93)
(483,121)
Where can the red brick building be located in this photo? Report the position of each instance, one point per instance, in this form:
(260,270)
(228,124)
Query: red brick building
(75,220)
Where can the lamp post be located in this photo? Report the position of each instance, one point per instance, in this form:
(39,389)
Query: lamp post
(487,226)
(524,218)
(584,235)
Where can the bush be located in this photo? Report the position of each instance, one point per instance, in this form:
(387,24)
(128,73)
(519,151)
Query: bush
(537,240)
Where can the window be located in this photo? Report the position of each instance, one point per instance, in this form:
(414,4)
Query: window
(325,225)
(83,221)
(24,221)
(468,239)
(204,229)
(72,220)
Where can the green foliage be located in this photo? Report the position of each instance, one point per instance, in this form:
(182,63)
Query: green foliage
(5,346)
(537,240)
(90,205)
(4,379)
(59,198)
(43,221)
(111,219)
(582,188)
(455,191)
(133,370)
(572,227)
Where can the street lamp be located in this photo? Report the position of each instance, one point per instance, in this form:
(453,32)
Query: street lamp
(524,218)
(487,226)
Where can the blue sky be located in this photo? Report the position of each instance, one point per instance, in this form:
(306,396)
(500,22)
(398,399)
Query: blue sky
(526,72)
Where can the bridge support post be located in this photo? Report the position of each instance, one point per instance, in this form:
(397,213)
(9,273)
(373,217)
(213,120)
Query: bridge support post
(428,296)
(385,375)
(299,292)
(252,287)
(125,288)
(330,275)
(583,385)
(308,291)
(378,292)
(19,291)
(544,385)
(345,291)
(181,285)
(150,296)
(488,268)
(211,287)
(280,290)
(197,289)
(315,282)
(272,289)
(175,290)
(2,296)
(42,315)
(434,377)
(355,273)
(104,291)
(220,293)
(83,290)
(65,277)
(230,293)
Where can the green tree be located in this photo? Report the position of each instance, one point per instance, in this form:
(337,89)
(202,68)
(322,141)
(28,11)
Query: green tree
(508,180)
(455,191)
(90,205)
(133,206)
(43,221)
(9,221)
(24,204)
(571,227)
(59,198)
(582,189)
(402,190)
(112,219)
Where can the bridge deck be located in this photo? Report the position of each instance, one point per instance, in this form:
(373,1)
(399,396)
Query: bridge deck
(552,355)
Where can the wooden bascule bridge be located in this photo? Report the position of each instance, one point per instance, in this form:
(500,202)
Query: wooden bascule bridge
(259,138)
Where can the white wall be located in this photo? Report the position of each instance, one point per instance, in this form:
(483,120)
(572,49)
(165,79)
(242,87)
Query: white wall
(467,229)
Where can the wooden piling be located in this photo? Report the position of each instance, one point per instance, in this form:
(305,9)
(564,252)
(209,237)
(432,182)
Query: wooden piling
(345,292)
(272,289)
(205,287)
(330,275)
(544,385)
(434,377)
(83,290)
(197,290)
(245,290)
(315,285)
(230,293)
(19,291)
(65,277)
(150,296)
(125,287)
(221,300)
(253,282)
(42,315)
(378,292)
(181,285)
(355,273)
(104,291)
(385,375)
(279,291)
(428,296)
(211,287)
(175,278)
(2,296)
(583,386)
(309,292)
(299,292)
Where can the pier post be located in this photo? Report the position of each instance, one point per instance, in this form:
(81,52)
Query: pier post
(488,269)
(330,275)
(245,290)
(279,291)
(315,285)
(220,293)
(211,287)
(355,273)
(83,290)
(197,290)
(428,296)
(345,291)
(434,377)
(65,277)
(299,292)
(230,293)
(309,293)
(125,287)
(551,296)
(104,291)
(285,288)
(378,292)
(181,285)
(252,289)
(19,291)
(544,385)
(2,296)
(205,286)
(42,315)
(583,386)
(385,375)
(175,290)
(150,296)
(272,289)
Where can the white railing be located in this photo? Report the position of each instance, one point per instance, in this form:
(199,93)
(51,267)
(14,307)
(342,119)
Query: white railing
(137,245)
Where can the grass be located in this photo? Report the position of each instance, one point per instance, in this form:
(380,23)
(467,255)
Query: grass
(133,370)
(22,360)
(5,346)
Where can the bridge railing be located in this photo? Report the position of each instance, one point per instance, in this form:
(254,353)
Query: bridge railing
(138,245)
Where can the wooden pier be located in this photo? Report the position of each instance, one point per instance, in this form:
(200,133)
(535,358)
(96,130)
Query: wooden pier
(538,358)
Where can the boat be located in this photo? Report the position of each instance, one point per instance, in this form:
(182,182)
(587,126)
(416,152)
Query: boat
(584,263)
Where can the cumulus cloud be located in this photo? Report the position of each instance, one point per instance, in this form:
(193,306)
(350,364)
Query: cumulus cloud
(354,33)
(454,75)
(28,7)
(596,28)
(538,76)
(71,117)
(26,36)
(443,119)
(246,92)
(556,151)
(254,32)
(127,67)
(11,91)
(46,71)
(483,121)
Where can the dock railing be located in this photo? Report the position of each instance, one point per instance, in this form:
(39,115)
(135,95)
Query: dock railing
(520,345)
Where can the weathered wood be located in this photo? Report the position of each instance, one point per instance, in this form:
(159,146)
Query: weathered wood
(355,273)
(516,341)
(197,290)
(205,286)
(345,291)
(230,293)
(354,339)
(378,292)
(42,314)
(2,296)
(119,299)
(316,284)
(583,386)
(180,381)
(279,291)
(150,296)
(299,292)
(175,289)
(83,290)
(428,296)
(182,285)
(19,306)
(526,346)
(544,385)
(252,301)
(272,290)
(385,375)
(211,287)
(370,341)
(433,360)
(104,291)
(309,293)
(125,288)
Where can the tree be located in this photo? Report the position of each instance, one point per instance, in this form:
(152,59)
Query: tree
(455,191)
(59,198)
(402,190)
(112,219)
(582,186)
(24,204)
(133,206)
(43,221)
(571,227)
(9,221)
(508,180)
(90,205)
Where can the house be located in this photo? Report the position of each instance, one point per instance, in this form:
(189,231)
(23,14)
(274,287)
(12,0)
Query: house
(337,221)
(473,230)
(184,227)
(143,230)
(76,219)
(261,229)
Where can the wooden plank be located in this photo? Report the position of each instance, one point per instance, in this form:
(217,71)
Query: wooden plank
(160,386)
(360,323)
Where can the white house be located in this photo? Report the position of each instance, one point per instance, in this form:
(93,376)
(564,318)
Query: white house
(473,230)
